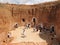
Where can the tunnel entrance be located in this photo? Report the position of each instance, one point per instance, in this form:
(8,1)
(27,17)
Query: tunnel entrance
(23,20)
(34,20)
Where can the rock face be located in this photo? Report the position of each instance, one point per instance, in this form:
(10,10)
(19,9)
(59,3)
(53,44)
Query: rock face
(46,13)
(5,19)
(6,22)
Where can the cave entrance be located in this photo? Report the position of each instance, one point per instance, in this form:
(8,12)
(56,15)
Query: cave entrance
(34,21)
(23,20)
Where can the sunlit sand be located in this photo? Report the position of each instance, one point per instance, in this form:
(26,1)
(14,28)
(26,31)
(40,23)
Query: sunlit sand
(30,36)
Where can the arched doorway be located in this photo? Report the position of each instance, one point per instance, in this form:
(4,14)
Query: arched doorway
(34,21)
(23,21)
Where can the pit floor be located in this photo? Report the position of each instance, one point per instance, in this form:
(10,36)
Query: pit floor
(30,37)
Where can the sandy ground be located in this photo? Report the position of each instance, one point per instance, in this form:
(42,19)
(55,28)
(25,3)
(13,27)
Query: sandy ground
(30,36)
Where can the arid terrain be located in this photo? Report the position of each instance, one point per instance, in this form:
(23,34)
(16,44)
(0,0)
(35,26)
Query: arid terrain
(46,13)
(30,37)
